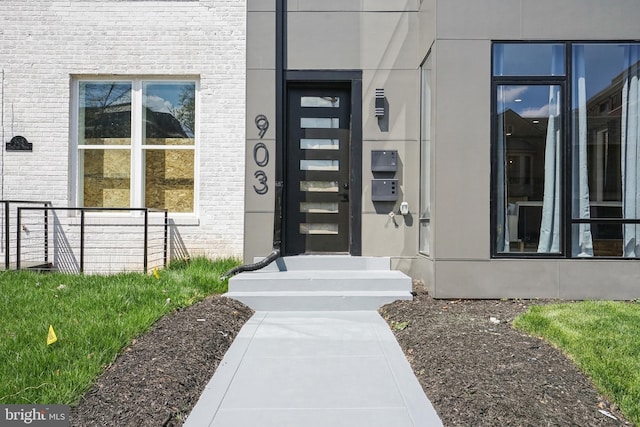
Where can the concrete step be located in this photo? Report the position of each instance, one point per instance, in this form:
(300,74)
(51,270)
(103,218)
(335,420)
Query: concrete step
(314,280)
(321,282)
(328,262)
(318,300)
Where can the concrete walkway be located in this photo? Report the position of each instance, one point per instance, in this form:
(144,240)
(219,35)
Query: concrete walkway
(314,369)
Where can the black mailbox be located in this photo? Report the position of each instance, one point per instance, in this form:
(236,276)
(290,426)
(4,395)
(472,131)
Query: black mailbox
(384,161)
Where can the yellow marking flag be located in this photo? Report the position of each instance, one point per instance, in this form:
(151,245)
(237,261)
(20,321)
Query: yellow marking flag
(51,336)
(155,273)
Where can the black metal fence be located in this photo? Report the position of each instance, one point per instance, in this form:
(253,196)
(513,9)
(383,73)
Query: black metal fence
(9,229)
(84,240)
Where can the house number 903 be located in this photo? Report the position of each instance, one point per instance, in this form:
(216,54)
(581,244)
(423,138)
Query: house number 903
(261,156)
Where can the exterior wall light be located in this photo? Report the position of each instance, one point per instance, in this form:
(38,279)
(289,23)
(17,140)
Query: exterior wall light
(380,108)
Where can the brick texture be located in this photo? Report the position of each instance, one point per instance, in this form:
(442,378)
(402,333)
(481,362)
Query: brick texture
(45,44)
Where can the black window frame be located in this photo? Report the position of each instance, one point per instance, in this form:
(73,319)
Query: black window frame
(567,220)
(564,82)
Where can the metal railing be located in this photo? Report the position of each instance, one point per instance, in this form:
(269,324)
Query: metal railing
(40,231)
(7,226)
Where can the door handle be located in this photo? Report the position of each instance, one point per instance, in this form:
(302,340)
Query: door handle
(344,194)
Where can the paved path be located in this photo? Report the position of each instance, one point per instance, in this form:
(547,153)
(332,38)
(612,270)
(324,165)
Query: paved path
(314,369)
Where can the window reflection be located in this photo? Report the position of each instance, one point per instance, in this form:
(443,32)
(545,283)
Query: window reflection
(319,123)
(528,59)
(604,181)
(319,165)
(320,101)
(104,113)
(319,144)
(136,144)
(319,186)
(169,113)
(606,142)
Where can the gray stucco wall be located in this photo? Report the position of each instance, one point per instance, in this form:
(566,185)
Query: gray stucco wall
(388,41)
(461,265)
(375,36)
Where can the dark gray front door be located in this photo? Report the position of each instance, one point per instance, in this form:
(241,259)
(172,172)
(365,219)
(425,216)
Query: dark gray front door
(317,212)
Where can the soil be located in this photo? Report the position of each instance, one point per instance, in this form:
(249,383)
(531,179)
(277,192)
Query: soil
(474,367)
(161,375)
(477,370)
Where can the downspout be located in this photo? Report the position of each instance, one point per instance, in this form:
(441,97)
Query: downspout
(281,64)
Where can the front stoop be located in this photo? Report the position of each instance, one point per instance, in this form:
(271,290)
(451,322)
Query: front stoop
(321,282)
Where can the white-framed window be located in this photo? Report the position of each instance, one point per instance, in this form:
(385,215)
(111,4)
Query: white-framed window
(135,142)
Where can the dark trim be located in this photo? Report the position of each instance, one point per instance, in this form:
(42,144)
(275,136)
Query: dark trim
(281,87)
(493,158)
(328,76)
(354,79)
(564,81)
(566,176)
(356,166)
(565,165)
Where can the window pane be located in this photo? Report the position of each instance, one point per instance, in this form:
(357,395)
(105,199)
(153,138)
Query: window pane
(104,113)
(319,123)
(529,146)
(607,238)
(319,207)
(319,186)
(311,228)
(319,165)
(320,101)
(425,160)
(600,72)
(528,59)
(169,113)
(169,180)
(319,144)
(106,178)
(606,170)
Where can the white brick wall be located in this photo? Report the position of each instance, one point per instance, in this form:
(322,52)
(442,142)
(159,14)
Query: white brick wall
(44,44)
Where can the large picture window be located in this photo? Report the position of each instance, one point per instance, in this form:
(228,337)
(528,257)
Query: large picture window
(566,169)
(136,144)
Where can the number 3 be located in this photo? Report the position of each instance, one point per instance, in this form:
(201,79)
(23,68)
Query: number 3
(262,179)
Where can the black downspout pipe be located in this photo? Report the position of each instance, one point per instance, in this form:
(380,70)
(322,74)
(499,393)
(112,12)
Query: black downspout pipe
(281,65)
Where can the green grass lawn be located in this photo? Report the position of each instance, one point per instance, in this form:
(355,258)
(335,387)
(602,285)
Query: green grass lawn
(602,338)
(94,317)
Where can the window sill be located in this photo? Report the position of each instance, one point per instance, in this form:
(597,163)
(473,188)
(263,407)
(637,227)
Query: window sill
(184,219)
(125,218)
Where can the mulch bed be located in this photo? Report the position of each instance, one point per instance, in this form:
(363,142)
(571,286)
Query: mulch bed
(477,371)
(160,377)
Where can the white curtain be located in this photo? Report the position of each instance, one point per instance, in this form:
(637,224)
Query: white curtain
(550,224)
(582,241)
(630,140)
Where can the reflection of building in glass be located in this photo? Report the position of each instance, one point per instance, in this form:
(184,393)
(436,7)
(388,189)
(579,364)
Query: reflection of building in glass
(114,121)
(604,125)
